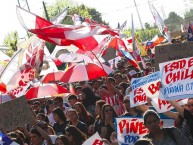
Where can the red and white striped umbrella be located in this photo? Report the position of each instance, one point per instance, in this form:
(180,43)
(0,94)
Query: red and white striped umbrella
(45,90)
(52,77)
(85,72)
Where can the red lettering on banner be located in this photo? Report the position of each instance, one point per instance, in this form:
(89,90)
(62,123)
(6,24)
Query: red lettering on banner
(132,126)
(138,91)
(175,65)
(179,75)
(139,97)
(142,128)
(97,142)
(190,62)
(163,103)
(153,88)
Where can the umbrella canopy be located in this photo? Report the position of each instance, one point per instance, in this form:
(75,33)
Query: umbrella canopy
(74,57)
(45,90)
(85,72)
(52,77)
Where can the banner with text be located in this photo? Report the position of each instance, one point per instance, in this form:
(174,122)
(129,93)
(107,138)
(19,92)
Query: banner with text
(15,113)
(144,87)
(176,79)
(162,106)
(129,130)
(94,140)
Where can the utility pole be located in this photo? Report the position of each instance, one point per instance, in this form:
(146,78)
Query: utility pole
(138,15)
(44,6)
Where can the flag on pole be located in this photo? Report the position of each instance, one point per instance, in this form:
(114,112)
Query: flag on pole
(155,41)
(123,25)
(135,46)
(160,23)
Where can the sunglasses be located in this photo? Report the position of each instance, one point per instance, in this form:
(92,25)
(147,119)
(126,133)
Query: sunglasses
(108,110)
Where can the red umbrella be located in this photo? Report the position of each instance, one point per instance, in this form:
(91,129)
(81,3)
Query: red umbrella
(85,72)
(52,77)
(45,90)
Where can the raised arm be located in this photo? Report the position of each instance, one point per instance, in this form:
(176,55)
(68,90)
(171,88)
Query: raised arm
(178,107)
(173,115)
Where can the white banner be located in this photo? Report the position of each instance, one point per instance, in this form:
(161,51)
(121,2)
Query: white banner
(144,87)
(176,79)
(94,140)
(129,130)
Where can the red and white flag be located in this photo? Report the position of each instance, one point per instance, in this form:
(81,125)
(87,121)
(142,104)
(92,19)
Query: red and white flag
(22,66)
(63,34)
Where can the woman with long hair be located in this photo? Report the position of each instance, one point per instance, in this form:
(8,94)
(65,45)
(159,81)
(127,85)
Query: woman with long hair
(84,115)
(98,120)
(107,115)
(74,135)
(89,99)
(60,118)
(62,140)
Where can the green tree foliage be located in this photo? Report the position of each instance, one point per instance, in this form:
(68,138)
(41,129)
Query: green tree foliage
(147,26)
(143,35)
(81,10)
(173,22)
(188,16)
(10,41)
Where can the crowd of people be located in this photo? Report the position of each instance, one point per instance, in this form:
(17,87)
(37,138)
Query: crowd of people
(93,107)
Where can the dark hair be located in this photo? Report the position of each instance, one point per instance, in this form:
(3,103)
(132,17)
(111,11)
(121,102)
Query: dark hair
(142,142)
(60,113)
(148,113)
(103,87)
(84,113)
(100,103)
(111,79)
(77,87)
(78,136)
(118,74)
(35,131)
(124,85)
(59,99)
(103,111)
(45,117)
(36,103)
(90,98)
(64,139)
(73,110)
(72,97)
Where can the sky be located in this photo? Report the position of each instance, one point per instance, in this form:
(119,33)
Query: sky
(113,11)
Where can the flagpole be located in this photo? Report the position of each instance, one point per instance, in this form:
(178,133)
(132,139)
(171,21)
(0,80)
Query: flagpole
(138,15)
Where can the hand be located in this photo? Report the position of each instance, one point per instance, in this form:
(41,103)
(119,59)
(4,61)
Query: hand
(149,100)
(103,132)
(106,142)
(113,139)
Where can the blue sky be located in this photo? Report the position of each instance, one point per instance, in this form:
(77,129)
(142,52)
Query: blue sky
(113,11)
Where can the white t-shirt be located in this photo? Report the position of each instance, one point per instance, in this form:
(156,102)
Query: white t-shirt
(51,119)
